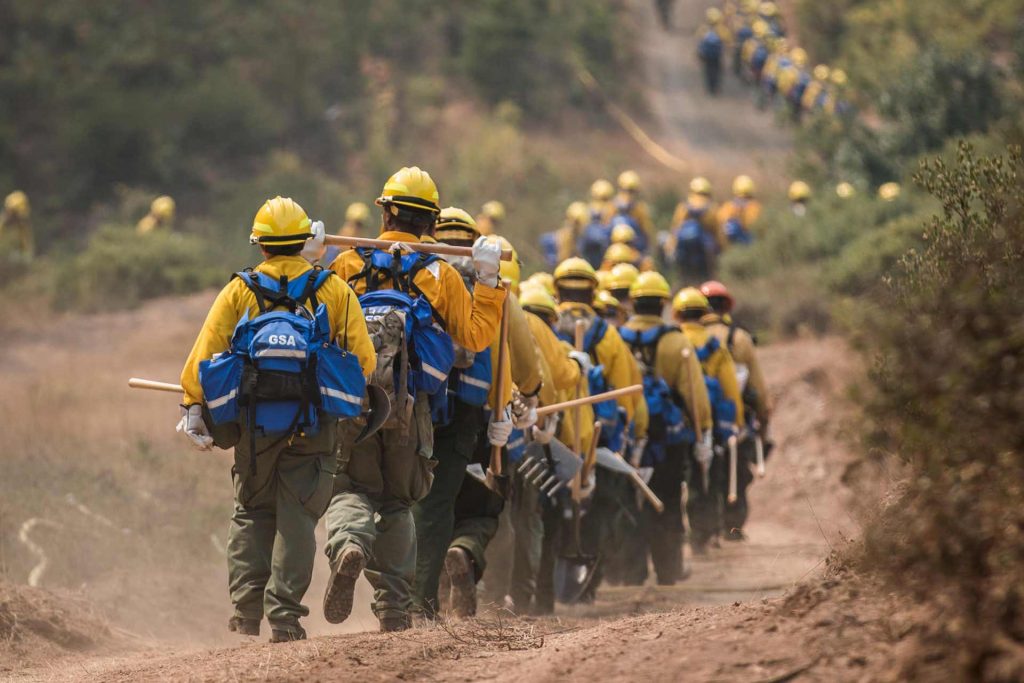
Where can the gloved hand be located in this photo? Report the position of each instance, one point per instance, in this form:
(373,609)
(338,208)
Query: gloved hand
(587,487)
(486,261)
(192,425)
(499,431)
(637,452)
(704,451)
(544,435)
(524,411)
(583,360)
(315,247)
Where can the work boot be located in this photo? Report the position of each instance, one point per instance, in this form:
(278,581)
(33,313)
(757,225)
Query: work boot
(342,585)
(735,535)
(243,626)
(459,567)
(286,634)
(395,622)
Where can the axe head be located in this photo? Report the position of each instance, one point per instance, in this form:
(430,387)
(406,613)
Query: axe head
(376,409)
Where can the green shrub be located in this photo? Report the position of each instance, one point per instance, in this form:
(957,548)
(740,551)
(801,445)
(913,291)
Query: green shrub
(119,268)
(949,401)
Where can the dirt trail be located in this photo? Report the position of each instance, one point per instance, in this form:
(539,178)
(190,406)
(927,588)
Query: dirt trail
(799,515)
(721,136)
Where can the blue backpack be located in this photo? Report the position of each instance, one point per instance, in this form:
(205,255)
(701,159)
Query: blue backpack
(608,413)
(623,217)
(723,410)
(594,240)
(694,246)
(414,353)
(710,47)
(283,367)
(667,425)
(549,248)
(760,57)
(735,231)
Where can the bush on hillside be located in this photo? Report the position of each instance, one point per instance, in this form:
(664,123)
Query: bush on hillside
(949,376)
(120,269)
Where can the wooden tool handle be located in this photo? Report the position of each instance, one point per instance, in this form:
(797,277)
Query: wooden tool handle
(591,457)
(426,247)
(587,400)
(731,497)
(137,383)
(650,495)
(499,385)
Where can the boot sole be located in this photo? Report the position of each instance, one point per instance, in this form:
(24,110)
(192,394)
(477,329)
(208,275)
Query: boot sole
(463,591)
(342,586)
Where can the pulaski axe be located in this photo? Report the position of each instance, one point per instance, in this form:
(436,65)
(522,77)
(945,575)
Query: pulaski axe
(497,480)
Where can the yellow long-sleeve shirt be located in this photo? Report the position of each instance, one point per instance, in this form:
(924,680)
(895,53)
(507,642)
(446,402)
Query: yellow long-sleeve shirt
(563,373)
(472,320)
(611,353)
(236,300)
(746,211)
(676,362)
(708,219)
(524,367)
(719,365)
(744,352)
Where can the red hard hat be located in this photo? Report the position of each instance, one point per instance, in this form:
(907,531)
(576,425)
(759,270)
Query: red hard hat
(713,289)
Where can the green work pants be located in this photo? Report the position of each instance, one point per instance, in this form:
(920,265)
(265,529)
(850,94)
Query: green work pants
(434,514)
(271,544)
(377,483)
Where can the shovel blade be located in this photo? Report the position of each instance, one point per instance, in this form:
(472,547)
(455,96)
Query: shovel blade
(573,576)
(378,409)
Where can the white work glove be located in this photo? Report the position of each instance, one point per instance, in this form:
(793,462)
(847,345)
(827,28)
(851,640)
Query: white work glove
(704,451)
(486,261)
(315,247)
(637,452)
(192,426)
(524,411)
(544,435)
(583,359)
(499,431)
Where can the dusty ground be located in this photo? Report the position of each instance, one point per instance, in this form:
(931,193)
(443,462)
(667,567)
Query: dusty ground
(728,622)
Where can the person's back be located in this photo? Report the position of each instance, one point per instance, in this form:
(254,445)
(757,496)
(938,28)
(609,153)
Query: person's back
(247,382)
(369,521)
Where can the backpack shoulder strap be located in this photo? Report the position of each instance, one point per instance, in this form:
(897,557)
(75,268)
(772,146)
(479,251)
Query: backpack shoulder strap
(247,277)
(595,334)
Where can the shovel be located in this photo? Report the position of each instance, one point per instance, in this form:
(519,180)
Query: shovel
(497,480)
(575,572)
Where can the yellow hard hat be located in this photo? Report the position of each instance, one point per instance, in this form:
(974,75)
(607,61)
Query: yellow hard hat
(622,276)
(889,191)
(494,210)
(760,28)
(845,190)
(357,212)
(16,203)
(700,185)
(538,300)
(621,253)
(650,283)
(604,302)
(689,299)
(821,72)
(162,207)
(623,234)
(748,6)
(509,270)
(798,55)
(838,77)
(577,213)
(280,221)
(768,9)
(575,273)
(412,188)
(713,15)
(799,191)
(544,280)
(629,181)
(602,190)
(743,186)
(455,224)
